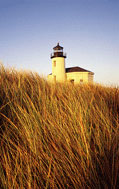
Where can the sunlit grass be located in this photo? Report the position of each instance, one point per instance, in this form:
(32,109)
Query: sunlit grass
(57,135)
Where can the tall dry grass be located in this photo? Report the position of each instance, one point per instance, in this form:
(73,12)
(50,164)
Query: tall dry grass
(57,135)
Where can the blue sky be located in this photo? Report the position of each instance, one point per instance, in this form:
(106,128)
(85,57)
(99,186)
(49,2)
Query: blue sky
(87,29)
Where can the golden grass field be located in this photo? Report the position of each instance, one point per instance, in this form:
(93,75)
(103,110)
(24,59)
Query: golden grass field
(57,135)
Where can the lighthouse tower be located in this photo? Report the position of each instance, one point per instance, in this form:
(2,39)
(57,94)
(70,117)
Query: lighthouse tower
(58,64)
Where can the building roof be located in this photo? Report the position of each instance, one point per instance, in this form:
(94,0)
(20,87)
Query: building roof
(58,47)
(76,69)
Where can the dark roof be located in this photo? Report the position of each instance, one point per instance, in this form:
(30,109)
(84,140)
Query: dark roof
(76,69)
(58,47)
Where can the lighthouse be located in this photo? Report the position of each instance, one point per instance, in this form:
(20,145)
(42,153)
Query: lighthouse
(58,64)
(73,75)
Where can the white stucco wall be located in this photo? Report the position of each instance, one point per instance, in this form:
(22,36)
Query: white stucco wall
(78,77)
(90,77)
(59,69)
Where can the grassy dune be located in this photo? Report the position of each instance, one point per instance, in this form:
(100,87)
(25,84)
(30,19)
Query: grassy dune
(57,136)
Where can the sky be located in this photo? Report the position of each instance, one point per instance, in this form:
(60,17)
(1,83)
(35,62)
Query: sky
(87,29)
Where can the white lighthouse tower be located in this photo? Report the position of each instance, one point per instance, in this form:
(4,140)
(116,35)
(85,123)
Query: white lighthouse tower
(58,64)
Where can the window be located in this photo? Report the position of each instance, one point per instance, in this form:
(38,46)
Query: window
(72,81)
(54,63)
(81,80)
